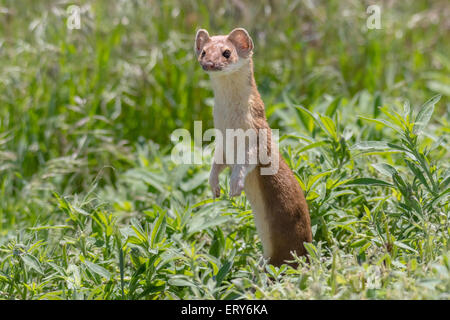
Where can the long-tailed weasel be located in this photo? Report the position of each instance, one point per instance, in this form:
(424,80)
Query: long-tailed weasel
(279,206)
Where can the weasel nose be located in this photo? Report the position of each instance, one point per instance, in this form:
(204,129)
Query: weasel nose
(207,65)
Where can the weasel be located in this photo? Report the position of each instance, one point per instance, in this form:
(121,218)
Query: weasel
(277,200)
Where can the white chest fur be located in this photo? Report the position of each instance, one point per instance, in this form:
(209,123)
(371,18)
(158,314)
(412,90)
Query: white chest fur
(232,104)
(232,114)
(255,197)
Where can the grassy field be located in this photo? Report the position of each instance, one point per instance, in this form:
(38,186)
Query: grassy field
(91,206)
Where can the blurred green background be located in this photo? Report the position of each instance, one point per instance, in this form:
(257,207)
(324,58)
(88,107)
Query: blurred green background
(129,74)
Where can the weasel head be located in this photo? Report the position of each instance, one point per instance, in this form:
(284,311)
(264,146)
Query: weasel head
(222,55)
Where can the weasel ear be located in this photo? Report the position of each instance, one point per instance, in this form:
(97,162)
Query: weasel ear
(200,39)
(242,41)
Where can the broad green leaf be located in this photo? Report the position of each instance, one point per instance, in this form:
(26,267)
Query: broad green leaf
(198,179)
(138,230)
(359,243)
(81,211)
(385,169)
(418,173)
(329,126)
(404,246)
(201,223)
(315,178)
(394,117)
(180,282)
(74,279)
(147,177)
(425,113)
(312,250)
(97,269)
(32,262)
(226,267)
(309,124)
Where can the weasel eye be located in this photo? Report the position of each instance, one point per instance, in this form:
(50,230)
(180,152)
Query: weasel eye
(226,53)
(203,53)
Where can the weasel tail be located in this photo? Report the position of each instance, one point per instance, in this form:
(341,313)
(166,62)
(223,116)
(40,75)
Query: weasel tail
(278,204)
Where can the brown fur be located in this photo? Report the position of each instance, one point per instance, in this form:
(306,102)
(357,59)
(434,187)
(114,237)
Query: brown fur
(288,217)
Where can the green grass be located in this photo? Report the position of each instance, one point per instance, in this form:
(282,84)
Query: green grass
(91,206)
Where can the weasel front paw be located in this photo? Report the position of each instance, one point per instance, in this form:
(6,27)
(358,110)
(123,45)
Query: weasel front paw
(236,187)
(215,187)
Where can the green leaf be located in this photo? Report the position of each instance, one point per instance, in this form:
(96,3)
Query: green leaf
(50,227)
(32,262)
(180,282)
(331,109)
(445,182)
(158,229)
(226,267)
(75,279)
(312,250)
(271,270)
(418,173)
(65,206)
(147,177)
(81,211)
(202,223)
(121,264)
(383,123)
(315,178)
(368,182)
(385,169)
(313,145)
(138,230)
(306,121)
(404,246)
(359,243)
(406,110)
(370,145)
(377,103)
(194,182)
(329,126)
(309,125)
(98,269)
(335,194)
(425,113)
(439,87)
(217,243)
